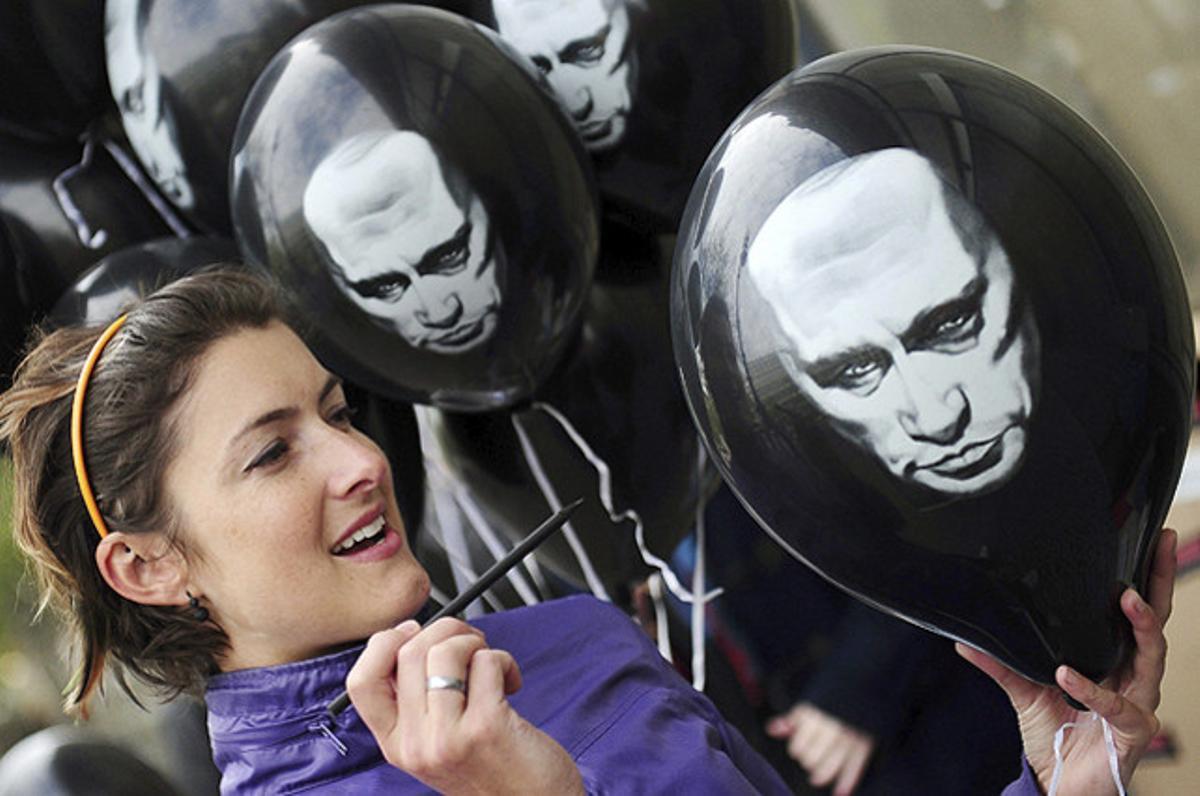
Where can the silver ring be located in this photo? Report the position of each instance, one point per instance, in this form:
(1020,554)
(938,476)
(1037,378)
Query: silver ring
(438,683)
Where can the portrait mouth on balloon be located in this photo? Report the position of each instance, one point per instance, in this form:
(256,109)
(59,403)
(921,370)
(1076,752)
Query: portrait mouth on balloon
(603,133)
(976,465)
(463,337)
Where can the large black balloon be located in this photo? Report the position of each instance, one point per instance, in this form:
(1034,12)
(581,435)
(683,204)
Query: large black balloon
(936,337)
(617,388)
(49,249)
(413,147)
(123,277)
(180,71)
(52,60)
(652,84)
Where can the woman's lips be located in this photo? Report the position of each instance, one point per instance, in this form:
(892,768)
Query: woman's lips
(391,543)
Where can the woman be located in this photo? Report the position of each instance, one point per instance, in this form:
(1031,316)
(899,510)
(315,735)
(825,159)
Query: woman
(244,537)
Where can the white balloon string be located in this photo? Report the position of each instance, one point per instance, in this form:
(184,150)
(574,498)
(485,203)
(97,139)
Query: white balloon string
(1114,766)
(454,542)
(89,238)
(135,175)
(489,538)
(590,575)
(629,515)
(438,595)
(1059,736)
(662,628)
(441,482)
(699,666)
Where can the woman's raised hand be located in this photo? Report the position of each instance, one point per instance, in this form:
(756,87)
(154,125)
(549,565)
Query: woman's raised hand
(456,741)
(1128,703)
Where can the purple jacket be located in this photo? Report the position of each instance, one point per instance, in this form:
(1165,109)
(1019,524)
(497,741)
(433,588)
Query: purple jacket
(592,681)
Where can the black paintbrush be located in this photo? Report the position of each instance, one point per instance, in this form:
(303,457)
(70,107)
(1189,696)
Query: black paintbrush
(493,574)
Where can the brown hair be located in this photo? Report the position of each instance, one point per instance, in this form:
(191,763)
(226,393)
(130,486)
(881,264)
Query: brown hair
(128,441)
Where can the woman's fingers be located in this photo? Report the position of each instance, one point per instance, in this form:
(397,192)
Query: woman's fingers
(853,770)
(449,659)
(370,681)
(1162,575)
(493,675)
(411,664)
(1150,656)
(1134,722)
(781,726)
(826,769)
(1021,692)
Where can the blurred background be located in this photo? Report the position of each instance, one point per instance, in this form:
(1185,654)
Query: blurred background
(1130,67)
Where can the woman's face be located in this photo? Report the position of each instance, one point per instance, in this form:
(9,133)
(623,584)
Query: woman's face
(271,484)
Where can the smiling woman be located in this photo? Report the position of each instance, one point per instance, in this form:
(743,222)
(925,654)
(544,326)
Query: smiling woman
(246,539)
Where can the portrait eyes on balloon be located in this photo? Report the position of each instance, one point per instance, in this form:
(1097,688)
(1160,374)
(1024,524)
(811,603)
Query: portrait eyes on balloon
(905,337)
(412,253)
(583,49)
(137,86)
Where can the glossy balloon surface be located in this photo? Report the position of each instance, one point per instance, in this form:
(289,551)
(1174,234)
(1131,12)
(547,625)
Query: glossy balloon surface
(936,337)
(100,294)
(52,60)
(617,388)
(419,193)
(50,249)
(652,84)
(179,72)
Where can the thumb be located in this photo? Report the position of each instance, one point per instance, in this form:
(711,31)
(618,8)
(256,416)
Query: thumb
(780,726)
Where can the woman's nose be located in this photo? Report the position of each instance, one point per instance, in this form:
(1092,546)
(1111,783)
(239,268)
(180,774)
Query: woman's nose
(356,464)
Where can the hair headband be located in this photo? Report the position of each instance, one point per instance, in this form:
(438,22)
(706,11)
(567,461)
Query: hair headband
(85,486)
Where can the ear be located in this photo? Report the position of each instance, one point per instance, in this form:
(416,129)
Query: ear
(143,568)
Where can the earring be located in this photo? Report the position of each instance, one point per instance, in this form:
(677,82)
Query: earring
(195,609)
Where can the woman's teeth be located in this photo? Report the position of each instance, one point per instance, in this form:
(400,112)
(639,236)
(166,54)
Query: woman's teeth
(368,531)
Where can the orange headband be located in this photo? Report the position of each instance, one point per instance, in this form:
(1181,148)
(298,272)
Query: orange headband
(85,486)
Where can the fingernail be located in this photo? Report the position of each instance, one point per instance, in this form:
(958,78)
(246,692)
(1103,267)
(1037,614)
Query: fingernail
(409,625)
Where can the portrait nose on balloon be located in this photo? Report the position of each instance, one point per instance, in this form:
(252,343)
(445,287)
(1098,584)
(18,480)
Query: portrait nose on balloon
(933,417)
(582,104)
(441,313)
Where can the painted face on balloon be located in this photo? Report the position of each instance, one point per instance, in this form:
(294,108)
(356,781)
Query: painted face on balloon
(906,328)
(137,88)
(412,253)
(583,48)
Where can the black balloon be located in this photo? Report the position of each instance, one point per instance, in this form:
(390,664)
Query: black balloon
(108,287)
(66,761)
(52,59)
(180,71)
(424,199)
(937,340)
(15,318)
(618,389)
(652,84)
(49,248)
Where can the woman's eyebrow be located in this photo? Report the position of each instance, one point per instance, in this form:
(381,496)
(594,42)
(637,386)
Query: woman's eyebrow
(284,412)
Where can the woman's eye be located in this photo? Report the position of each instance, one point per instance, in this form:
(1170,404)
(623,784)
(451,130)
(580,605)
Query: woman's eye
(274,453)
(343,415)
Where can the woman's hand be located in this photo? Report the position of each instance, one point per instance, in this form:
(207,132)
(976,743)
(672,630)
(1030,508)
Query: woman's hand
(454,742)
(1128,704)
(831,751)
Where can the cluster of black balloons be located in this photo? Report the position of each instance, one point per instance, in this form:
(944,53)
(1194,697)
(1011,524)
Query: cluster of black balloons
(928,324)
